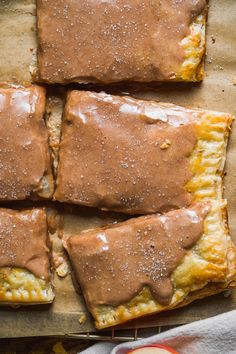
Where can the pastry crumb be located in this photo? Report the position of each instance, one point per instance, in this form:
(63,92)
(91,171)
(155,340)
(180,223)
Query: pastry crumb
(58,348)
(82,319)
(166,144)
(213,40)
(62,270)
(210,60)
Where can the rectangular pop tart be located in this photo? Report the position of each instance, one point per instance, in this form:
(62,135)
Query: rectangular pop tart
(153,263)
(25,169)
(139,157)
(24,258)
(101,41)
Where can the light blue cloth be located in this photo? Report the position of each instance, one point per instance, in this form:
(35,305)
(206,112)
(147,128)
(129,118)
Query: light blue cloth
(215,335)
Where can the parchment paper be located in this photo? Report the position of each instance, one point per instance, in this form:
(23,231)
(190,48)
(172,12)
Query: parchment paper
(18,44)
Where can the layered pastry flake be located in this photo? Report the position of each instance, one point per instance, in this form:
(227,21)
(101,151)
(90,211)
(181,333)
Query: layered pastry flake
(24,257)
(139,157)
(25,170)
(111,41)
(153,263)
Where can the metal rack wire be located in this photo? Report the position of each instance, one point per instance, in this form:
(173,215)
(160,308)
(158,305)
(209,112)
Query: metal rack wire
(117,335)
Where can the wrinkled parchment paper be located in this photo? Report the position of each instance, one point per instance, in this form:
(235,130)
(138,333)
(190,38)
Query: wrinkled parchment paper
(18,45)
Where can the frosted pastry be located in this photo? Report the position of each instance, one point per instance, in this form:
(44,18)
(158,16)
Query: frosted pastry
(153,263)
(24,257)
(111,41)
(139,157)
(25,169)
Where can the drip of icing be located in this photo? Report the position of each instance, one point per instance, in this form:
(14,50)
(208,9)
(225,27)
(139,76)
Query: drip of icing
(114,268)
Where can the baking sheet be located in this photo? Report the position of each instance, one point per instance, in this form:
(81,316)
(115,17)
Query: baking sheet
(68,313)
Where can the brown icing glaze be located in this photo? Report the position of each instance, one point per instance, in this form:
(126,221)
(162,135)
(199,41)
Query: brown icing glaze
(24,155)
(113,264)
(110,41)
(23,241)
(122,154)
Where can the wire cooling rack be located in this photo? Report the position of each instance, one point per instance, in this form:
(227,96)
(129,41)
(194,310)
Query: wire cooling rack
(119,335)
(75,343)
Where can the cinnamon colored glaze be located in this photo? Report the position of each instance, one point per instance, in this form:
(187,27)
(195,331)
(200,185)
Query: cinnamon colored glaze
(110,41)
(123,154)
(23,241)
(113,264)
(24,156)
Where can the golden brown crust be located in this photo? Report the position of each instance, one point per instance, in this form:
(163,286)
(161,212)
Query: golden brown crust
(21,287)
(209,268)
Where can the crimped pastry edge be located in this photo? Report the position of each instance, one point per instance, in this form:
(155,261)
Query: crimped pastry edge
(24,287)
(205,289)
